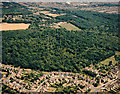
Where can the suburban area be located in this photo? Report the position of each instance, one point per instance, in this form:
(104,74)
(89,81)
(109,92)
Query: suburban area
(90,80)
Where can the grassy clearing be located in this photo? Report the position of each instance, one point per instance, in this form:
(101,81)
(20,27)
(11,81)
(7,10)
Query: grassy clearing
(117,53)
(45,72)
(69,26)
(106,62)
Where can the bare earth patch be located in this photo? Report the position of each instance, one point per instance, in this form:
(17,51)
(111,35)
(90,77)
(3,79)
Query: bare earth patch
(53,15)
(13,26)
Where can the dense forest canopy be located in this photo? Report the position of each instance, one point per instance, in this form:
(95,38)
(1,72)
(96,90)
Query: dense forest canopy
(92,20)
(101,5)
(12,8)
(52,49)
(57,49)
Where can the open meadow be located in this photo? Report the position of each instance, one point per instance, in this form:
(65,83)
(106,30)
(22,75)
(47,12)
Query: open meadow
(69,26)
(112,58)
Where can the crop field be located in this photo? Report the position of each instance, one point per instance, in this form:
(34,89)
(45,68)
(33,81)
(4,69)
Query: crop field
(53,15)
(44,12)
(50,14)
(56,26)
(69,26)
(9,26)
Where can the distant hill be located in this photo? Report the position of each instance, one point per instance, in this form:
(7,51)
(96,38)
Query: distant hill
(14,9)
(64,0)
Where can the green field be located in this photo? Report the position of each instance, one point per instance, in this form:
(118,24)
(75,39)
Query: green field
(117,53)
(106,62)
(112,58)
(69,26)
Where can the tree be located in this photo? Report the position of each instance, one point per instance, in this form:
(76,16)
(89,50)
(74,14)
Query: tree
(110,63)
(96,84)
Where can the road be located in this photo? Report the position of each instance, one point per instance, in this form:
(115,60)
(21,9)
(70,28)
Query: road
(41,85)
(92,87)
(97,89)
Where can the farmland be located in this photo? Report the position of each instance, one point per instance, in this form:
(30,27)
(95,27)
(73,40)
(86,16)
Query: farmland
(50,14)
(12,26)
(74,50)
(106,7)
(69,26)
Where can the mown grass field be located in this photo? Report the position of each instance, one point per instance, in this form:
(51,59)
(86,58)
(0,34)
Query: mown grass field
(106,62)
(69,26)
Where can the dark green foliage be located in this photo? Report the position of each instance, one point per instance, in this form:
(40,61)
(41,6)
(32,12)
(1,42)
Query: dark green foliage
(102,5)
(70,89)
(81,86)
(49,49)
(59,11)
(11,80)
(6,89)
(88,90)
(92,20)
(12,8)
(117,57)
(95,85)
(90,73)
(16,21)
(110,63)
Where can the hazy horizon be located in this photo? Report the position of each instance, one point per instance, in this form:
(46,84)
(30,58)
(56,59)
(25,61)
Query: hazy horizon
(61,0)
